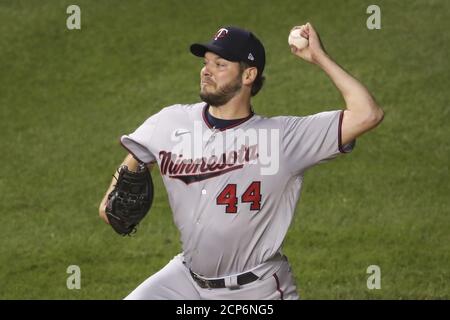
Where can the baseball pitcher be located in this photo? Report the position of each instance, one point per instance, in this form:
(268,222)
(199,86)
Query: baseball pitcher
(234,177)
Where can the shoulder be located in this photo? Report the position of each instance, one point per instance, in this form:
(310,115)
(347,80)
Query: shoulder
(274,122)
(292,125)
(284,120)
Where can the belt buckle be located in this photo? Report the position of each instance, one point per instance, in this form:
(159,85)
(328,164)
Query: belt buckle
(202,282)
(205,283)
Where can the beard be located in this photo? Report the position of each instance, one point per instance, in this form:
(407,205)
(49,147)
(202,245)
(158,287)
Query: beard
(223,94)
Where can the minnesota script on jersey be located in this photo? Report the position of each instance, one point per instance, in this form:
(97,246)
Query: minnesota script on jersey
(233,191)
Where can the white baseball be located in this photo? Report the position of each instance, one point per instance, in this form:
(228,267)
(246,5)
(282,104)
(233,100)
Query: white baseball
(297,40)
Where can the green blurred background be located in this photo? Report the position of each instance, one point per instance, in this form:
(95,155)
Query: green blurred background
(67,96)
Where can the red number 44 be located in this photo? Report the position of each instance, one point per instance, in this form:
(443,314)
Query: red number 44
(252,195)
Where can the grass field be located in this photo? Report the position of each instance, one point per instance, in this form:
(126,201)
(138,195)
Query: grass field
(67,96)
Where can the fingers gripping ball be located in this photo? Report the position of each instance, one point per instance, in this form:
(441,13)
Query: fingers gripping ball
(295,39)
(130,200)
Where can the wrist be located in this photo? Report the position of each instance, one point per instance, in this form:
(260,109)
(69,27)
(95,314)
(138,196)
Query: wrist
(321,59)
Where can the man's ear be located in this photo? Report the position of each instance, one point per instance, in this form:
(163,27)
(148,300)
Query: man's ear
(249,75)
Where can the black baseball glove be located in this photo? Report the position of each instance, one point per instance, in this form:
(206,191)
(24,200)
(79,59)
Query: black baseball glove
(130,200)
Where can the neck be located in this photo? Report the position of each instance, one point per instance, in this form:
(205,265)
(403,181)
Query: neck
(237,108)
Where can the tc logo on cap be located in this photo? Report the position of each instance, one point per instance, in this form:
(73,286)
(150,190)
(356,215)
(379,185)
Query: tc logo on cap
(220,34)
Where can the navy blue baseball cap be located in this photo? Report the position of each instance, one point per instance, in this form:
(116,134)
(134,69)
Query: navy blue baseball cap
(234,44)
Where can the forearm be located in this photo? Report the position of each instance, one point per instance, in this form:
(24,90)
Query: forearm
(362,112)
(356,96)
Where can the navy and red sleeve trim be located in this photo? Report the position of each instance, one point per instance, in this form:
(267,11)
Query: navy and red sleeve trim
(343,148)
(134,155)
(341,117)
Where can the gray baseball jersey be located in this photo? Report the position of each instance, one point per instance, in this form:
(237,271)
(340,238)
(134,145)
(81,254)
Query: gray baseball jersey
(233,191)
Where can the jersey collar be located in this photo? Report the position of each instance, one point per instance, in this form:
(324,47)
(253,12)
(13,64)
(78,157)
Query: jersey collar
(209,125)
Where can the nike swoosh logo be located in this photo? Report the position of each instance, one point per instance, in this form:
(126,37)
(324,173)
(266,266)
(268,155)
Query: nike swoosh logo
(179,133)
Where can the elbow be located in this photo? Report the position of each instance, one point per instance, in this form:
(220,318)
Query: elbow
(374,118)
(379,117)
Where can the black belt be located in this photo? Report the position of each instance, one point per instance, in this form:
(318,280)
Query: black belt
(220,283)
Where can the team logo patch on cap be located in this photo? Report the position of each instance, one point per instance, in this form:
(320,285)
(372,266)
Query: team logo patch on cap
(220,34)
(250,57)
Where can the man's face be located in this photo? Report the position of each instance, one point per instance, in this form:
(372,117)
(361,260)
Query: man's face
(220,79)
